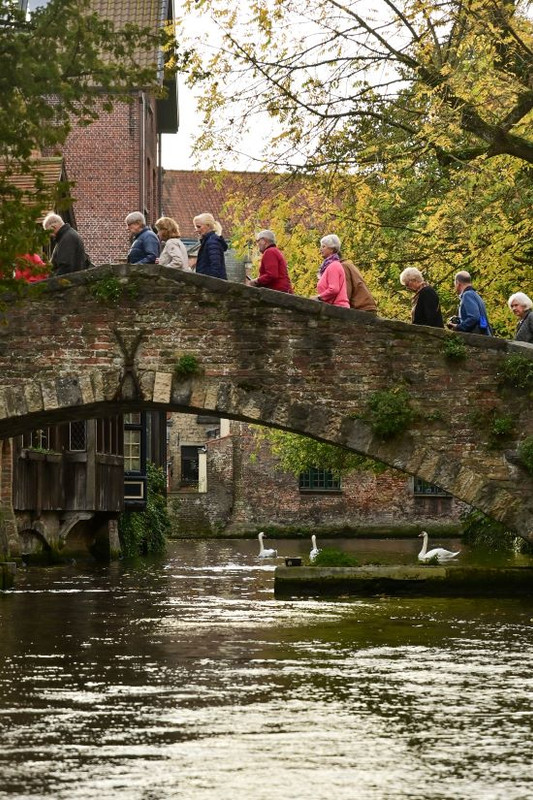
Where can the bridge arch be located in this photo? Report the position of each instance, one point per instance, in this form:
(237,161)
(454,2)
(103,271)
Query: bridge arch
(120,338)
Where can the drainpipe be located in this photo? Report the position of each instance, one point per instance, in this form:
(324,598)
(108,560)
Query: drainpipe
(159,176)
(143,155)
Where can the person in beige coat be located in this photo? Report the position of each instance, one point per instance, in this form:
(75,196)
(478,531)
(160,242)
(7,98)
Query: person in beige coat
(358,292)
(173,251)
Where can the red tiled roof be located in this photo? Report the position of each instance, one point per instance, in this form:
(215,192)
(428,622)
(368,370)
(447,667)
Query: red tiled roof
(144,13)
(51,171)
(189,193)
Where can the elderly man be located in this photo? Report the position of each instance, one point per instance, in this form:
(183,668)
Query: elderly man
(273,272)
(69,253)
(425,305)
(145,244)
(472,312)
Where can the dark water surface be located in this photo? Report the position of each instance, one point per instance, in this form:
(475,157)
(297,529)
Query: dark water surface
(185,678)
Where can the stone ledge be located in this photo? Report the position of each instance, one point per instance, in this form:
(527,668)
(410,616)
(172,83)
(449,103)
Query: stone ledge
(406,580)
(7,574)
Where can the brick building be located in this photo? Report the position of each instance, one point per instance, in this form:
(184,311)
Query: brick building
(223,481)
(65,484)
(114,163)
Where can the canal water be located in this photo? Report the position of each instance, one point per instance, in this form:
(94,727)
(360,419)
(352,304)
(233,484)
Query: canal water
(185,678)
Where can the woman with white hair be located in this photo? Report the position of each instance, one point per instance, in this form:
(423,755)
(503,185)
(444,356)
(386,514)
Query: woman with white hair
(425,305)
(521,305)
(210,259)
(331,285)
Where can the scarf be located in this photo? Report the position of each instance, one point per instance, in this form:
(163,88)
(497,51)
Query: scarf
(327,261)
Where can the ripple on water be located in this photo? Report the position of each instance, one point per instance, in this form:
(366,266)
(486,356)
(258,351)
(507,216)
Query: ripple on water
(189,680)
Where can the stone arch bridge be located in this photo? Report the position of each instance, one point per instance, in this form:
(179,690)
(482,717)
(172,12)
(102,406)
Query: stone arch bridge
(67,352)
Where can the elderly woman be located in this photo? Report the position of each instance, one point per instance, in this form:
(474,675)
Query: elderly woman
(173,252)
(425,305)
(210,260)
(331,285)
(521,305)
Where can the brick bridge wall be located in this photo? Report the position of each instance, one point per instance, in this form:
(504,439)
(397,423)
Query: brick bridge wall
(268,358)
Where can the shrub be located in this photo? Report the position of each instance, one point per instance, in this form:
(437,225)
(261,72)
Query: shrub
(455,348)
(483,532)
(390,412)
(145,532)
(332,557)
(517,370)
(525,453)
(106,290)
(501,428)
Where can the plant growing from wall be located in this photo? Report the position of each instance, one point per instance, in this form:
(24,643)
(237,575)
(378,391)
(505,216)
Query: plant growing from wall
(496,426)
(525,453)
(106,290)
(145,532)
(390,412)
(454,348)
(502,427)
(517,371)
(187,366)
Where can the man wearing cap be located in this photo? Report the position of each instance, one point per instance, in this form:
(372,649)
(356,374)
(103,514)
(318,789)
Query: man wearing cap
(273,272)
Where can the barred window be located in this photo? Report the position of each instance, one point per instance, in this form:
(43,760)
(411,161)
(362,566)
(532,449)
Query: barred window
(319,480)
(77,436)
(423,488)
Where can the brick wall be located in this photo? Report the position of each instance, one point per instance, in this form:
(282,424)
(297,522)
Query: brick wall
(247,491)
(104,162)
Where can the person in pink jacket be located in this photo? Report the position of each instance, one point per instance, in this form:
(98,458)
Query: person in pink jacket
(331,285)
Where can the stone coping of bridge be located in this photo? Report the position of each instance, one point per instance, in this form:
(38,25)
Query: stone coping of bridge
(267,296)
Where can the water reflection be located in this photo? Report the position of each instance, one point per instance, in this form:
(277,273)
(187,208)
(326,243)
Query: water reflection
(185,678)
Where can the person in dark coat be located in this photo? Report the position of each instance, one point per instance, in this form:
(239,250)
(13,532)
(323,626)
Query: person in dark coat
(425,308)
(521,305)
(69,253)
(145,244)
(210,259)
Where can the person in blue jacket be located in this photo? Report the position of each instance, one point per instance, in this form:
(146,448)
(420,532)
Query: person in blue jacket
(210,259)
(145,244)
(472,312)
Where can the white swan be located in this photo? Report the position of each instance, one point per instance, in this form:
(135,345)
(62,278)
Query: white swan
(438,553)
(315,550)
(265,552)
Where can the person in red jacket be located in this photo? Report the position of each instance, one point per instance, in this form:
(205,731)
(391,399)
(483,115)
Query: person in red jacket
(31,268)
(273,272)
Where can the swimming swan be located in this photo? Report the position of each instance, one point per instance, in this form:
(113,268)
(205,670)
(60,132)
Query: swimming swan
(438,553)
(265,552)
(315,550)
